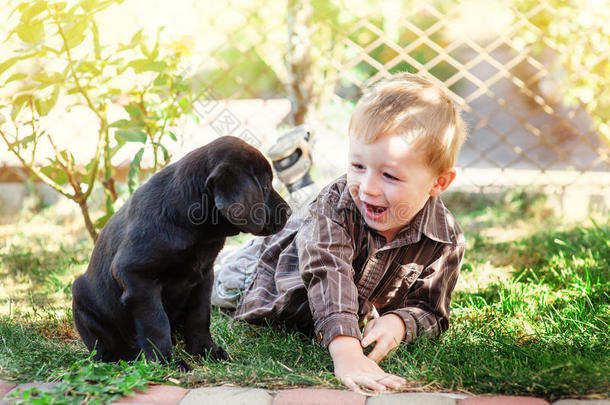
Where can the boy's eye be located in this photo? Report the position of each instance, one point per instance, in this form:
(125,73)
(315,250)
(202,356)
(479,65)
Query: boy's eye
(357,166)
(389,176)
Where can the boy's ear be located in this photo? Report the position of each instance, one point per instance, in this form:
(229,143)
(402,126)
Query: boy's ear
(442,182)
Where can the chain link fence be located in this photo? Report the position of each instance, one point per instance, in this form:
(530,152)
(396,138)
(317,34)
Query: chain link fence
(495,58)
(529,75)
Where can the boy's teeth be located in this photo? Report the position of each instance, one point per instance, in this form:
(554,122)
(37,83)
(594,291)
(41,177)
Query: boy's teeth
(375,208)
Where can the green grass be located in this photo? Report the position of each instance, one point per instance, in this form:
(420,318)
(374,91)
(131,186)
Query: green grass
(530,316)
(86,381)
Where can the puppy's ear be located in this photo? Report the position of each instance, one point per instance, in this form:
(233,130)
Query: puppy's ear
(238,197)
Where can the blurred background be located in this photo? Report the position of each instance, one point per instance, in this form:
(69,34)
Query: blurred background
(529,75)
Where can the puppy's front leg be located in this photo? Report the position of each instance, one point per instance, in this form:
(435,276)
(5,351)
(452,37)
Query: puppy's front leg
(197,324)
(142,300)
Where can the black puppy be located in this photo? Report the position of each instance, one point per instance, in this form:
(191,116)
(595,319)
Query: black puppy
(151,272)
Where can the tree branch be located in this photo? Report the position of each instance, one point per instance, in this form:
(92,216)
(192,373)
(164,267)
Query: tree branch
(34,170)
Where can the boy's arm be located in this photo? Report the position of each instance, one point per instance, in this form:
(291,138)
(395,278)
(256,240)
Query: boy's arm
(425,310)
(418,316)
(325,262)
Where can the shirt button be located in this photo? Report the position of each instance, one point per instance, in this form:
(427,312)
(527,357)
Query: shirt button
(379,255)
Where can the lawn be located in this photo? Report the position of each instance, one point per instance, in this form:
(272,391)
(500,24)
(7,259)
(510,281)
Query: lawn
(530,315)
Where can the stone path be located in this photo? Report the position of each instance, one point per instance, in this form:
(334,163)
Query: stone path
(225,395)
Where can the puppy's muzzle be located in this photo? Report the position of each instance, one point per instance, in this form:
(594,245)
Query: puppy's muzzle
(277,213)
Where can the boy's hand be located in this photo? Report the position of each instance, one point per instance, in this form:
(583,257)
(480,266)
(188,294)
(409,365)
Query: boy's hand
(354,369)
(387,331)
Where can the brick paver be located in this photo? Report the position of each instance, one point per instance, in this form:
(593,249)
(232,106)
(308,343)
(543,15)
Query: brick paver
(318,397)
(411,398)
(227,396)
(502,400)
(5,388)
(21,387)
(156,394)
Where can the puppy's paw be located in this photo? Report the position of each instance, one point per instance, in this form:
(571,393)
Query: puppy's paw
(215,353)
(181,365)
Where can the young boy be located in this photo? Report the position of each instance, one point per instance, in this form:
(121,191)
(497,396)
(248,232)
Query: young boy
(376,245)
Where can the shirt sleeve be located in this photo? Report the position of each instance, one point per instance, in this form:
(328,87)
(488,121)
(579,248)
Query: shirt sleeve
(425,309)
(325,261)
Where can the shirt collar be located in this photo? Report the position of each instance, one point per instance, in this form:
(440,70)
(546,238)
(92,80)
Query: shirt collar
(345,199)
(434,222)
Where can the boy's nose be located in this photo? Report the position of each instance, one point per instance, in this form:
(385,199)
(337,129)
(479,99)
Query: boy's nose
(369,185)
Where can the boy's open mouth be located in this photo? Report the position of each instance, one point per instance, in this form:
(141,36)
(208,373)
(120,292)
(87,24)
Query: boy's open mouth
(374,211)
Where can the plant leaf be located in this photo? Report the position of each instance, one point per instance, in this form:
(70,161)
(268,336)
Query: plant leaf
(33,10)
(185,104)
(89,67)
(7,64)
(57,175)
(145,65)
(161,80)
(10,62)
(99,224)
(16,76)
(20,100)
(76,34)
(137,38)
(87,5)
(138,65)
(172,135)
(49,78)
(31,32)
(134,171)
(165,153)
(134,112)
(157,66)
(122,123)
(44,106)
(130,135)
(60,5)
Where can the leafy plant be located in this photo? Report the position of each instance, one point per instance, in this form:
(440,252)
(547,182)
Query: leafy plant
(91,382)
(65,61)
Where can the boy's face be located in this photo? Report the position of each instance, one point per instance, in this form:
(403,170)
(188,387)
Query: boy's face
(390,182)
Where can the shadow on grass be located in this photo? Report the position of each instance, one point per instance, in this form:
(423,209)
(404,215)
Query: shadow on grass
(34,276)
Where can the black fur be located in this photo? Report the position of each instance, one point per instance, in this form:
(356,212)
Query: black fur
(150,273)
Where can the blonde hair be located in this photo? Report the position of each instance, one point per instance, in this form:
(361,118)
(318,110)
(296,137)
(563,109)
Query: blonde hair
(413,107)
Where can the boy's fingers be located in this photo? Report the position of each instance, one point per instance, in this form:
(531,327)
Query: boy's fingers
(384,382)
(370,383)
(369,337)
(394,381)
(349,383)
(355,382)
(380,351)
(376,383)
(377,354)
(369,325)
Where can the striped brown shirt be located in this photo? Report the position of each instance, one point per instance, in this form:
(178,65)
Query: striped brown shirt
(329,271)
